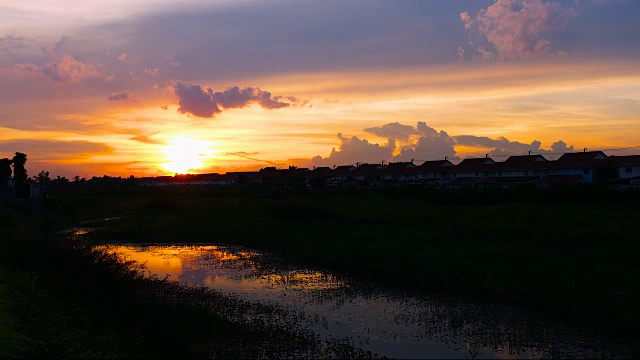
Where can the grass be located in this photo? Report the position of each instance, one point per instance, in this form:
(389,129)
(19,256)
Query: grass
(66,299)
(570,254)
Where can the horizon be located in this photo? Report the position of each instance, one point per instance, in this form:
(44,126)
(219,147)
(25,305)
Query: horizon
(158,89)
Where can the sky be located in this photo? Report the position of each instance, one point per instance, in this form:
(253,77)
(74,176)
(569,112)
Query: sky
(160,87)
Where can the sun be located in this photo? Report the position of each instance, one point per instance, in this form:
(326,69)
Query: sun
(184,155)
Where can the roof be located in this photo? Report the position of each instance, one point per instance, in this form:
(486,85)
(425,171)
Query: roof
(523,161)
(436,163)
(580,159)
(369,169)
(400,168)
(626,160)
(322,168)
(345,167)
(477,164)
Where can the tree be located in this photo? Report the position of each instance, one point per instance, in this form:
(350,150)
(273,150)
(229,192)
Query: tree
(42,178)
(5,173)
(20,177)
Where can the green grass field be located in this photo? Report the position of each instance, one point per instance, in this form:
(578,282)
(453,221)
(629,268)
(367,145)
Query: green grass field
(64,299)
(570,254)
(573,258)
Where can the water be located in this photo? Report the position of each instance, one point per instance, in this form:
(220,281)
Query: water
(388,323)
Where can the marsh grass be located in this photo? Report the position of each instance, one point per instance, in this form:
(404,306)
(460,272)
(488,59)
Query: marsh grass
(568,253)
(68,299)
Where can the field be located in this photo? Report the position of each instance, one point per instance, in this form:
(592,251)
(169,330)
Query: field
(570,254)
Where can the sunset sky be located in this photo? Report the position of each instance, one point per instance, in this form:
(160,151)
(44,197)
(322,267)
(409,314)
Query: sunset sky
(146,88)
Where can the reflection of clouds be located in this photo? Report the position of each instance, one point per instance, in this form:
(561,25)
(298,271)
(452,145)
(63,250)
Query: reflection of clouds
(390,323)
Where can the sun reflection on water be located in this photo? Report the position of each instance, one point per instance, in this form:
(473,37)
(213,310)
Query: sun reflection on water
(384,322)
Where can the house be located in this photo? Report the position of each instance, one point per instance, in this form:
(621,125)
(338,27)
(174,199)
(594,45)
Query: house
(626,166)
(584,164)
(524,165)
(476,167)
(627,171)
(436,172)
(555,180)
(369,172)
(400,172)
(342,175)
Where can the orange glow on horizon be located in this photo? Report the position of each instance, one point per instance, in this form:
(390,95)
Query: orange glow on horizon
(184,155)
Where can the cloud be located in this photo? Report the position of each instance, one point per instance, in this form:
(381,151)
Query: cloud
(120,96)
(483,55)
(11,42)
(195,100)
(53,149)
(153,72)
(394,131)
(145,139)
(431,145)
(172,62)
(516,28)
(61,69)
(503,146)
(561,147)
(466,20)
(354,150)
(61,46)
(600,2)
(425,143)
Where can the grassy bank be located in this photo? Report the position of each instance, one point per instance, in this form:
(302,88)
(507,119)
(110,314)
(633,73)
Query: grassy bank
(570,254)
(62,299)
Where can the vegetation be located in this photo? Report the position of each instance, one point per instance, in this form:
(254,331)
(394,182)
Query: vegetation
(65,299)
(569,253)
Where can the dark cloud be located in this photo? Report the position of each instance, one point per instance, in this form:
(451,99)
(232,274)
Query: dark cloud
(120,96)
(290,36)
(11,42)
(61,46)
(195,100)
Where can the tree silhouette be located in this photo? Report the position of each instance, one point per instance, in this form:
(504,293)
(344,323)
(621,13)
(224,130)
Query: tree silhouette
(5,173)
(20,177)
(42,178)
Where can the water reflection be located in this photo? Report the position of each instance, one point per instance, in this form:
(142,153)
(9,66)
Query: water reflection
(389,323)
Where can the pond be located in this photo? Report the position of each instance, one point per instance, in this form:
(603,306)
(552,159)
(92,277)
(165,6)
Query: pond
(391,323)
